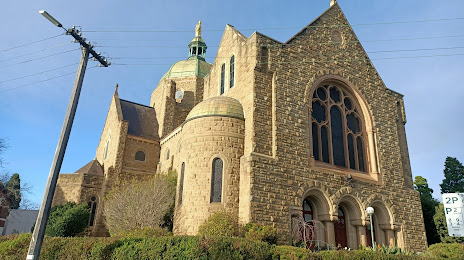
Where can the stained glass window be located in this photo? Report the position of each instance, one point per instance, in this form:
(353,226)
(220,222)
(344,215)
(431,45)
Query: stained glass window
(223,71)
(232,71)
(216,180)
(181,185)
(337,129)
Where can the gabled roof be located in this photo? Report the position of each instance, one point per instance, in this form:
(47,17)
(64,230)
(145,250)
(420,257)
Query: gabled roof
(93,167)
(311,23)
(142,119)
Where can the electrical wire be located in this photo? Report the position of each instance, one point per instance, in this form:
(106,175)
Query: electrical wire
(42,72)
(308,61)
(63,75)
(275,28)
(290,44)
(46,49)
(43,57)
(15,47)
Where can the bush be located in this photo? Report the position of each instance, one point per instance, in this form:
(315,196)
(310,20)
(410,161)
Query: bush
(67,220)
(146,232)
(221,224)
(139,205)
(259,232)
(443,250)
(16,247)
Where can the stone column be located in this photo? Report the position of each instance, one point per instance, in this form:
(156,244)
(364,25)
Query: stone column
(390,237)
(361,234)
(329,233)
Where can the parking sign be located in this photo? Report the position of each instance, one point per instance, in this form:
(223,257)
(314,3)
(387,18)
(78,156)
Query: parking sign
(454,213)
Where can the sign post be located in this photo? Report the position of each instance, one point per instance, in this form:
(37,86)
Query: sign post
(454,213)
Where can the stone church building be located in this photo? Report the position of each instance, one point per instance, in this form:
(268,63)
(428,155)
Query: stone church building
(270,131)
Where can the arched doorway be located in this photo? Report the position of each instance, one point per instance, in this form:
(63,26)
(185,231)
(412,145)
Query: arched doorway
(340,230)
(309,224)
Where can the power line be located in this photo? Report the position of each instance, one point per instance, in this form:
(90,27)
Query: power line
(42,72)
(290,44)
(15,47)
(43,57)
(49,48)
(276,28)
(405,50)
(63,75)
(308,61)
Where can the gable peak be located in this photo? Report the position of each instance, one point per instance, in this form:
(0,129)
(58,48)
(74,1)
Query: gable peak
(333,2)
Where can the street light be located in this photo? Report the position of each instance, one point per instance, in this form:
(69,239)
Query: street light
(50,18)
(370,212)
(44,211)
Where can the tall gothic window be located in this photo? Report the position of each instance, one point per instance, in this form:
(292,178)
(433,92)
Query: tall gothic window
(216,180)
(223,72)
(93,210)
(181,185)
(337,131)
(232,70)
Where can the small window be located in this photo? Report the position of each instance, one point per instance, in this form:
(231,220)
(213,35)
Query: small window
(216,180)
(232,71)
(181,185)
(140,156)
(93,210)
(167,154)
(223,71)
(106,148)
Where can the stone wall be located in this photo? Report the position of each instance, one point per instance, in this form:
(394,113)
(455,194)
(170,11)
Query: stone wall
(278,171)
(201,141)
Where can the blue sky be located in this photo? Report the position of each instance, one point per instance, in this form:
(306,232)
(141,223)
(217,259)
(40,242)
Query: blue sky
(31,117)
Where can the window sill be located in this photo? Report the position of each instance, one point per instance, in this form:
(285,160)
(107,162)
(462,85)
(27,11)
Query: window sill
(374,178)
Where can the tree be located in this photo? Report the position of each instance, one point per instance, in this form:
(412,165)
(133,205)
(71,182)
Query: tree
(3,146)
(428,204)
(442,228)
(13,188)
(67,220)
(138,205)
(454,176)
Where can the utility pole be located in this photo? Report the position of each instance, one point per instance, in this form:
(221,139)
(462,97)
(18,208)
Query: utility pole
(44,212)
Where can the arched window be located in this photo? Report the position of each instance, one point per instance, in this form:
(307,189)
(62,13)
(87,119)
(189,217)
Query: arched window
(93,210)
(232,70)
(106,148)
(223,72)
(337,129)
(181,185)
(140,156)
(216,180)
(167,154)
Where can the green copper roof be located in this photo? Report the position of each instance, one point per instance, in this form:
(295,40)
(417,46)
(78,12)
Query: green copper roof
(188,68)
(217,106)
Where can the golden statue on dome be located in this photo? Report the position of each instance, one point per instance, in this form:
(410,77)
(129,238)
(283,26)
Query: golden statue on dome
(198,29)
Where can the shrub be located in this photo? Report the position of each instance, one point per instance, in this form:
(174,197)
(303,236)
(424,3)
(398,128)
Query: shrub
(294,253)
(221,224)
(16,247)
(443,250)
(259,232)
(139,204)
(146,232)
(67,220)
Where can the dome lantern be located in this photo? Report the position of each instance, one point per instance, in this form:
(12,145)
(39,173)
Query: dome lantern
(197,47)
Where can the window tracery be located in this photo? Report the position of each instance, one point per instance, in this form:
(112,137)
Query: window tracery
(337,129)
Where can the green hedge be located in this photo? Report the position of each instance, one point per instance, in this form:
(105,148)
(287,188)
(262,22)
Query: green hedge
(179,247)
(446,250)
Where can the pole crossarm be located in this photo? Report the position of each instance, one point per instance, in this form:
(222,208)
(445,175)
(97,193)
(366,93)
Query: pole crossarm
(77,36)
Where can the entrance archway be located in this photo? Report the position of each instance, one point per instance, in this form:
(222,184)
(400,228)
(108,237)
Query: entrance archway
(341,239)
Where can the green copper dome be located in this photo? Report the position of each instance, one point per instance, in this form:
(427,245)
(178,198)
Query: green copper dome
(188,68)
(195,65)
(217,106)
